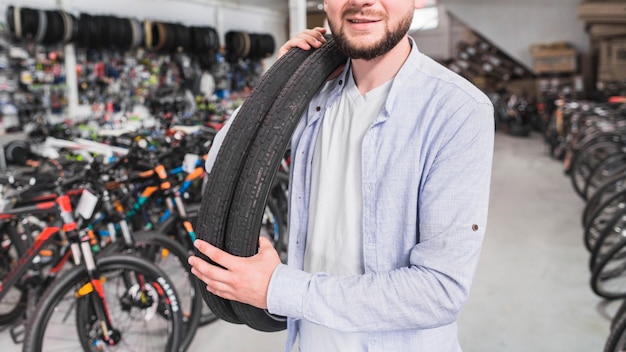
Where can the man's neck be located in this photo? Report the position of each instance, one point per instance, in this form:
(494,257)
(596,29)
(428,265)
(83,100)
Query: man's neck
(369,74)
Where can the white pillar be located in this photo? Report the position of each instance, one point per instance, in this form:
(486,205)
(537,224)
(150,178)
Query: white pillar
(297,17)
(71,80)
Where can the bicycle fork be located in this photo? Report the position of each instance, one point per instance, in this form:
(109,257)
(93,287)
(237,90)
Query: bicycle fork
(82,252)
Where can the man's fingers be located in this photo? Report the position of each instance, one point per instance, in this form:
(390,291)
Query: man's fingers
(243,279)
(219,292)
(309,38)
(216,287)
(295,43)
(206,271)
(317,33)
(217,255)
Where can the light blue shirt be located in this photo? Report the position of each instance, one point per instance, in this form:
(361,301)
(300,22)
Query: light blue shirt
(426,175)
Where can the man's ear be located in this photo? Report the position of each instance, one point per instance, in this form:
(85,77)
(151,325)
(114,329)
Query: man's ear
(420,3)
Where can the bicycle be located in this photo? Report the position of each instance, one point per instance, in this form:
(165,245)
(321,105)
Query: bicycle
(144,288)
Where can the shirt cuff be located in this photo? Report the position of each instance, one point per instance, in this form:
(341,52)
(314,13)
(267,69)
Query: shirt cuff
(286,291)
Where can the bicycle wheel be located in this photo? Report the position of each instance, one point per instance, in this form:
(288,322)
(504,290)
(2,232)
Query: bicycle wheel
(616,341)
(262,161)
(603,218)
(587,158)
(142,320)
(612,165)
(206,314)
(171,257)
(13,304)
(607,190)
(608,279)
(610,236)
(618,314)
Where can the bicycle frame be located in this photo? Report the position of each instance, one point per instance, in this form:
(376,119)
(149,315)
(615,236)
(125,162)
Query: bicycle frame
(79,248)
(175,208)
(25,261)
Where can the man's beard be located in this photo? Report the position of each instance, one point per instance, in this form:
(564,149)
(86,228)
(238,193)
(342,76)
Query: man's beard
(390,39)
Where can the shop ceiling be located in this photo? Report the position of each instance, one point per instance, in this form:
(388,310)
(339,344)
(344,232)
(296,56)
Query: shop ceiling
(282,5)
(311,5)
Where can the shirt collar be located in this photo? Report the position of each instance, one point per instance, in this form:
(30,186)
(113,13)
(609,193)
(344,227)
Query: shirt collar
(331,90)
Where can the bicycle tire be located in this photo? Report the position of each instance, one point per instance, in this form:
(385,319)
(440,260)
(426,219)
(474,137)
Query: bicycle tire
(602,215)
(621,310)
(206,315)
(262,161)
(607,271)
(13,304)
(178,270)
(609,236)
(610,166)
(587,158)
(606,190)
(51,302)
(221,181)
(616,340)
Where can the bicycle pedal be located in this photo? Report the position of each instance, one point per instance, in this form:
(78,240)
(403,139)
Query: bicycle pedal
(17,333)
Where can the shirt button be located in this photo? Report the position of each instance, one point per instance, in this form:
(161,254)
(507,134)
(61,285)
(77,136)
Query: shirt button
(340,82)
(370,240)
(318,108)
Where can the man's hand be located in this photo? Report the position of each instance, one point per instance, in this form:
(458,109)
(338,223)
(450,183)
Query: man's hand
(245,279)
(309,38)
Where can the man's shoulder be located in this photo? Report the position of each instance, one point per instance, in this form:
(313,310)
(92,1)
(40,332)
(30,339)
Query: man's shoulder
(427,73)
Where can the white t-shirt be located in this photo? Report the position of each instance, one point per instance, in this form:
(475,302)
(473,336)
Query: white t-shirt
(334,241)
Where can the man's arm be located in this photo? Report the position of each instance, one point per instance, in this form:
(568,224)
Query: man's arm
(432,288)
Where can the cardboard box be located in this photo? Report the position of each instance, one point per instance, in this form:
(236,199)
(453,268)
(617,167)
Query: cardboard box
(605,12)
(554,58)
(551,49)
(612,60)
(606,30)
(523,87)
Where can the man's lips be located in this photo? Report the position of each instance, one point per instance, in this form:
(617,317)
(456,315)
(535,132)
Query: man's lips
(361,20)
(362,24)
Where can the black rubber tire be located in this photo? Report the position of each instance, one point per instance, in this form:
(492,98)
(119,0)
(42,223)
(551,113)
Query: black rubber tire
(222,180)
(262,161)
(614,164)
(67,283)
(10,255)
(621,310)
(191,314)
(607,239)
(601,218)
(604,192)
(616,340)
(588,156)
(612,266)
